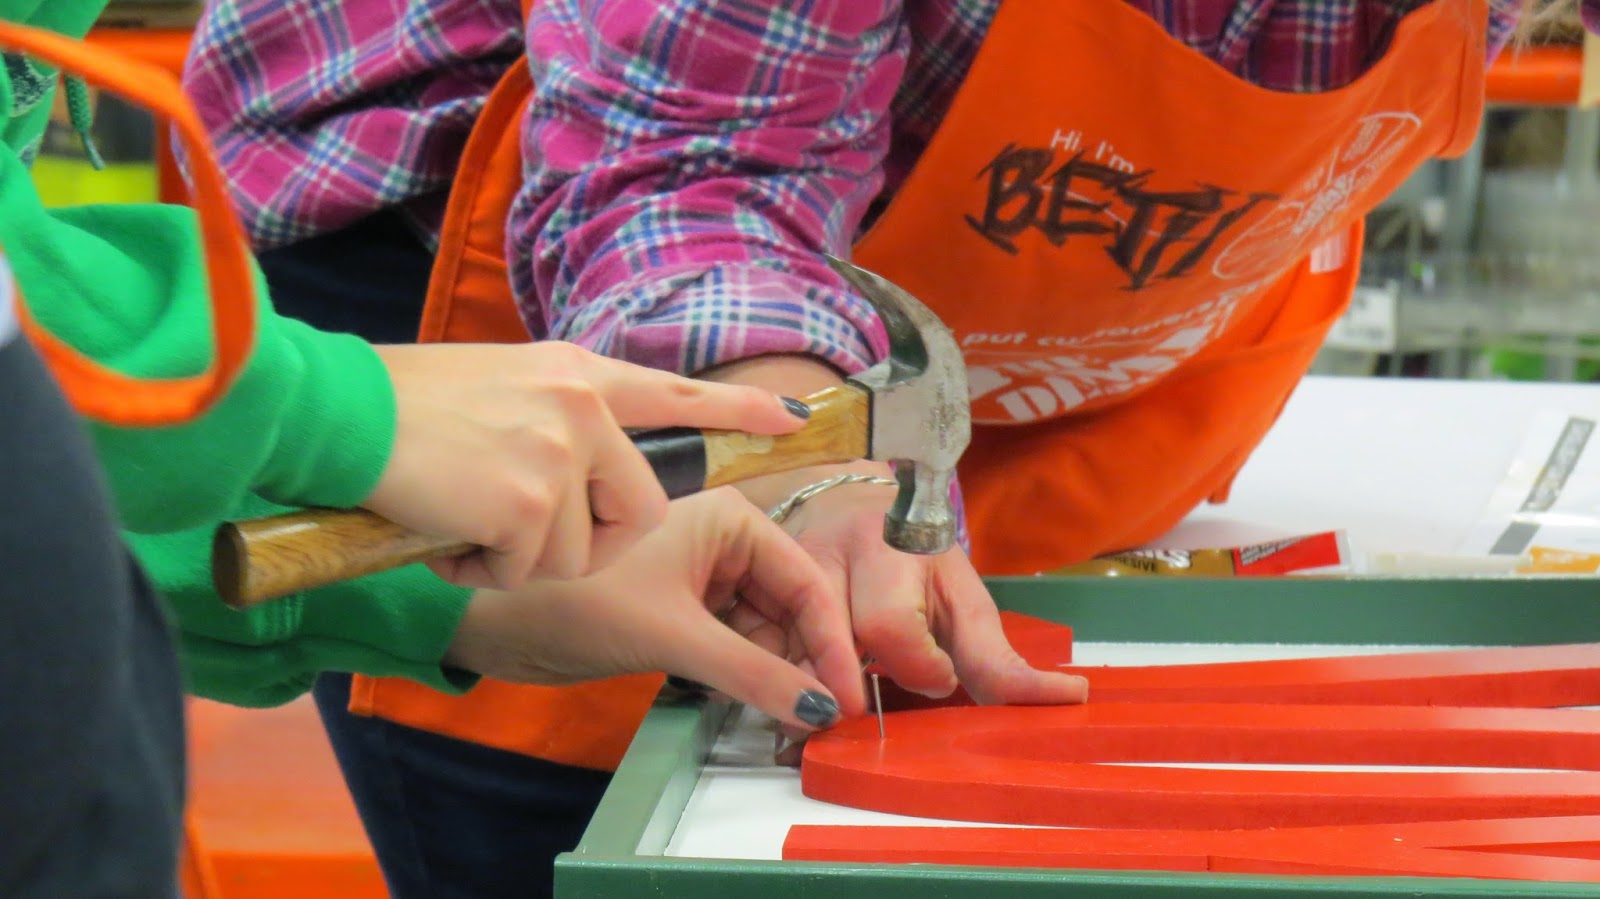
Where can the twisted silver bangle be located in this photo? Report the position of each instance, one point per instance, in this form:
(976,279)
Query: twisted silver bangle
(781,512)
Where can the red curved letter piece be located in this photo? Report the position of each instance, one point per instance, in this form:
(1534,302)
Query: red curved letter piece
(1552,849)
(1526,677)
(1047,764)
(1563,849)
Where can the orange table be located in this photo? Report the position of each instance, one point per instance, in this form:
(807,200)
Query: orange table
(269,815)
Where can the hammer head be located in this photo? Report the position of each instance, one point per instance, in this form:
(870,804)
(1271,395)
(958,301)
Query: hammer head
(921,413)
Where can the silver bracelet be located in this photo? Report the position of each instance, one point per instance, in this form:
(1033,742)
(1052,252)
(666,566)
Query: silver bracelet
(781,512)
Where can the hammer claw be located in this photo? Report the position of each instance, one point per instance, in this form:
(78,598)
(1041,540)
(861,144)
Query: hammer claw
(921,416)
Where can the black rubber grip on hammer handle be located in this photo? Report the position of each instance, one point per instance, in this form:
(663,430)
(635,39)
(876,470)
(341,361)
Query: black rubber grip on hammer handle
(678,456)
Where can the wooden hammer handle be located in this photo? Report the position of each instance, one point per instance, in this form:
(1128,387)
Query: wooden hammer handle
(265,558)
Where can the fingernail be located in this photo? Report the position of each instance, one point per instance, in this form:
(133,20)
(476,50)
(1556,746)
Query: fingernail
(816,708)
(796,408)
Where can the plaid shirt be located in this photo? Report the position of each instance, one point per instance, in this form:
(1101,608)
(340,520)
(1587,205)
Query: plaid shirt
(685,161)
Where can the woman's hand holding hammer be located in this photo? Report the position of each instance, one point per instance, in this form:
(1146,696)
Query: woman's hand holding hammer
(520,449)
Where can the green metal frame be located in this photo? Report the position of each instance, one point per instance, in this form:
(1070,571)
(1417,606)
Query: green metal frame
(621,853)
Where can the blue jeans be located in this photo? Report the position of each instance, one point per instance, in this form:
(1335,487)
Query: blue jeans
(454,820)
(447,819)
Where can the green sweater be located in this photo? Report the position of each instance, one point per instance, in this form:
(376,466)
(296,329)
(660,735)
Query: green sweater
(309,423)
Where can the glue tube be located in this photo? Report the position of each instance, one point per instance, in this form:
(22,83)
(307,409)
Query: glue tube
(1313,552)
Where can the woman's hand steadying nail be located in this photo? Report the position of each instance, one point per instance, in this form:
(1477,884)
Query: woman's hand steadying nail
(785,647)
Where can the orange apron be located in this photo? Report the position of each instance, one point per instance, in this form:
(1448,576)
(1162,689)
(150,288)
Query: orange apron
(1191,256)
(1140,255)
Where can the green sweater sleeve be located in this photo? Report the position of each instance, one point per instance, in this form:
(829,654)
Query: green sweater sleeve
(309,422)
(397,623)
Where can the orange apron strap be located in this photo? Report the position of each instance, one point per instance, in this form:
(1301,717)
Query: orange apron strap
(469,291)
(95,390)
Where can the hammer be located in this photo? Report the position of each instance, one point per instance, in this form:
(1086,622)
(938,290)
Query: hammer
(910,409)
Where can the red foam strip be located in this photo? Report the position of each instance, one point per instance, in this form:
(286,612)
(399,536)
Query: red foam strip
(1506,677)
(1045,764)
(1513,849)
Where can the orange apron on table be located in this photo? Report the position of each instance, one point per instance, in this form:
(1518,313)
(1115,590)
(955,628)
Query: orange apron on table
(1103,216)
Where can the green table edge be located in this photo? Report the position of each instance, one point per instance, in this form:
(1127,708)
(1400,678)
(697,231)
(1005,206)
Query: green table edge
(620,853)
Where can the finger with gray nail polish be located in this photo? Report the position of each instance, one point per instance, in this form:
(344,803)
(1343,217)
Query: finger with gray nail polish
(817,709)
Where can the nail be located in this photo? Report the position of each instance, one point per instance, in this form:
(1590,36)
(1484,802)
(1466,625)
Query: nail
(816,708)
(877,703)
(796,408)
